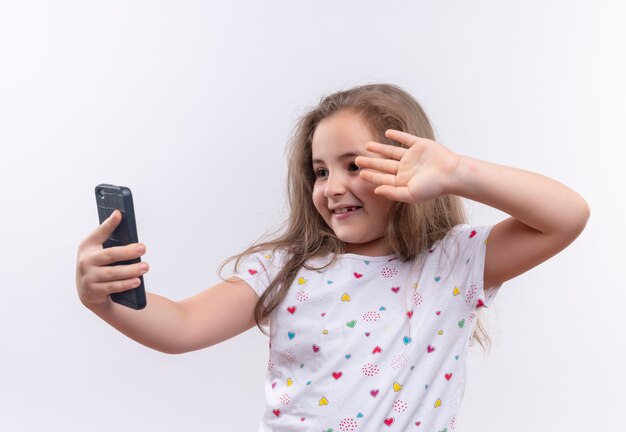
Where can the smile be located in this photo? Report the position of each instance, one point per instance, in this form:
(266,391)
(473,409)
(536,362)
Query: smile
(345,212)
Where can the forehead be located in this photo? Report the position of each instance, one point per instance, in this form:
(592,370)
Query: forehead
(343,134)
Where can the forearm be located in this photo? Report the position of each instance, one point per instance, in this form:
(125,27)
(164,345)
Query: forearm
(158,326)
(537,201)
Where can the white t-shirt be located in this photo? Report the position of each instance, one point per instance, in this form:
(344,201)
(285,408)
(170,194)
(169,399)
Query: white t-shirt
(373,343)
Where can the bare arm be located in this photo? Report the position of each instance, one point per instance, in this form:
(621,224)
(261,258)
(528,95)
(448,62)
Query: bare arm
(158,326)
(205,319)
(546,216)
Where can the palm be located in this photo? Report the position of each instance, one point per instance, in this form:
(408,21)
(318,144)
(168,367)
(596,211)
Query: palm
(421,172)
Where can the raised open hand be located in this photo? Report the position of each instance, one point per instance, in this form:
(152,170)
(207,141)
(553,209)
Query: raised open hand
(422,172)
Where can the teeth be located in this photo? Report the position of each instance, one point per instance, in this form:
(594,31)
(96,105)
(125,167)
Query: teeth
(344,210)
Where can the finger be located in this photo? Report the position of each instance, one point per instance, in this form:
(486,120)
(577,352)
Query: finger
(117,286)
(394,193)
(379,164)
(103,257)
(104,230)
(119,272)
(387,150)
(401,137)
(378,177)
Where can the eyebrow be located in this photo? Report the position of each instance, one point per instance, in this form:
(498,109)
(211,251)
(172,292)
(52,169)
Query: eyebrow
(343,156)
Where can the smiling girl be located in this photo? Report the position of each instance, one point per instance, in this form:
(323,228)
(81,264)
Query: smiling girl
(372,293)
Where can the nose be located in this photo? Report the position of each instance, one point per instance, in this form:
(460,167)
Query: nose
(335,185)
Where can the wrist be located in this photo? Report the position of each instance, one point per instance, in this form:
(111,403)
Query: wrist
(97,307)
(459,173)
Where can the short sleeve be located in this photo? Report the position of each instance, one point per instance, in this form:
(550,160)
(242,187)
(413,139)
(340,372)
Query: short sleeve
(257,270)
(468,245)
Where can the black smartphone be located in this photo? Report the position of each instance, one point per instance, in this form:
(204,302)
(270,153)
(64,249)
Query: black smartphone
(110,197)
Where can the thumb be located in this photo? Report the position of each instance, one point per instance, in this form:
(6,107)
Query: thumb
(105,229)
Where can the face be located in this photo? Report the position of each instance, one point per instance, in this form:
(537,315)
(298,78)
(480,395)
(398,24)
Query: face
(337,141)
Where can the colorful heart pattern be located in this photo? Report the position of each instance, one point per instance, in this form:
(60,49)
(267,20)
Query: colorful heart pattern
(386,357)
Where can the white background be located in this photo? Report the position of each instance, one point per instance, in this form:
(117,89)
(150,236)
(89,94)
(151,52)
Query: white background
(190,104)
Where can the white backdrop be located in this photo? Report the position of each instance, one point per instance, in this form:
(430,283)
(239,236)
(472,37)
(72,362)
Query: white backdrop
(190,104)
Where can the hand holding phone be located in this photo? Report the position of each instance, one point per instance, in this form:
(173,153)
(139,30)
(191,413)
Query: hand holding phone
(96,279)
(110,198)
(112,244)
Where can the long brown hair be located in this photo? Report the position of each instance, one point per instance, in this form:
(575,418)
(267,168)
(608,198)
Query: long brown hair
(412,227)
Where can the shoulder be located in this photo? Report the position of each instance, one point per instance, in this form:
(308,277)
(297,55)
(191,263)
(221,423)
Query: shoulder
(461,242)
(261,260)
(465,234)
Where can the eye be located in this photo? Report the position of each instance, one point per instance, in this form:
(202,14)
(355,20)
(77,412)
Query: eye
(320,172)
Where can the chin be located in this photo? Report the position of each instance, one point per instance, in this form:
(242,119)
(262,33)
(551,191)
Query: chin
(352,240)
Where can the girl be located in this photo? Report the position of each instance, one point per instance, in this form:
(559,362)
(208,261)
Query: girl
(372,293)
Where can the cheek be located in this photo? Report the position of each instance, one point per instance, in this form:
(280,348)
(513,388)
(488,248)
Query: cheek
(379,205)
(365,191)
(363,186)
(319,200)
